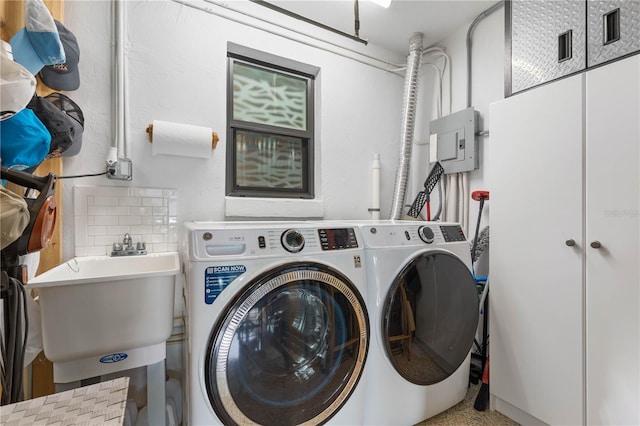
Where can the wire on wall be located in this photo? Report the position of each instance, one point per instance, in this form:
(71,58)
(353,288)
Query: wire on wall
(82,176)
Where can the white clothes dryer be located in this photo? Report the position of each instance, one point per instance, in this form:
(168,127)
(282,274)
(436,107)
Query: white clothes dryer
(276,322)
(423,306)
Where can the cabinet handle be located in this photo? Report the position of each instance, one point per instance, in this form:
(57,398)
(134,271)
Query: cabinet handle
(565,50)
(596,244)
(570,243)
(611,27)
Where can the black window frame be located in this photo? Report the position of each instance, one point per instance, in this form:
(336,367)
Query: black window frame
(242,54)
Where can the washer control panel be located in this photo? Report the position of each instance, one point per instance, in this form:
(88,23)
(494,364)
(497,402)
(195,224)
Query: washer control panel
(227,240)
(337,238)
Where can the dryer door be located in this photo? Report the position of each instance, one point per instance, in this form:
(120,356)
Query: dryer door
(289,350)
(430,317)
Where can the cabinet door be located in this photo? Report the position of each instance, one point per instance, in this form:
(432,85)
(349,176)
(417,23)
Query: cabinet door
(536,282)
(613,29)
(613,220)
(548,41)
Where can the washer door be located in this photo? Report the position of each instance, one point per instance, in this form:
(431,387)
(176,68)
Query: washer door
(430,317)
(290,349)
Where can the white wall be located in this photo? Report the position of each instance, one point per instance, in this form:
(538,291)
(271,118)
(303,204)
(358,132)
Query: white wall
(487,87)
(176,58)
(177,72)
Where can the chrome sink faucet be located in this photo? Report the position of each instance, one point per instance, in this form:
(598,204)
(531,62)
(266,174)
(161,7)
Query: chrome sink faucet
(126,248)
(126,241)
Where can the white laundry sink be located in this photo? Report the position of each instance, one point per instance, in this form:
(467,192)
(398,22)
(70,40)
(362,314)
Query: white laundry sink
(97,311)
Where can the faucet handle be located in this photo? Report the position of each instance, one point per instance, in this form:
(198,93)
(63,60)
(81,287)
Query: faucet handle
(140,245)
(117,246)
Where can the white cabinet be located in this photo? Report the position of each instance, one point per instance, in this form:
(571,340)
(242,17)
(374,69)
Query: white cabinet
(613,219)
(565,250)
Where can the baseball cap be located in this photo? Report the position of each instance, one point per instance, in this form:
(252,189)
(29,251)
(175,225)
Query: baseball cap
(57,123)
(17,85)
(74,113)
(64,76)
(38,43)
(14,216)
(24,140)
(5,48)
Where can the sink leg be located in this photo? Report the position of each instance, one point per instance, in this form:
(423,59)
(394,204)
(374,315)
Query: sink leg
(156,401)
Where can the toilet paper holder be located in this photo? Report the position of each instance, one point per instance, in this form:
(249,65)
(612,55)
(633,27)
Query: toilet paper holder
(214,136)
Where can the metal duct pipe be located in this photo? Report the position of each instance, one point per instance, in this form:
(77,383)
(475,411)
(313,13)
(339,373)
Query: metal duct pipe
(408,122)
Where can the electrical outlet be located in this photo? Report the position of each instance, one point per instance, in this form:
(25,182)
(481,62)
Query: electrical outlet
(120,170)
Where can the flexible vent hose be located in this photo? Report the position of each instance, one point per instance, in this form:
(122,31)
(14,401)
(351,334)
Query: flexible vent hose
(408,122)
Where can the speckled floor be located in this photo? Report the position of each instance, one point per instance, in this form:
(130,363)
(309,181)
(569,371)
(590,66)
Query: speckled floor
(464,414)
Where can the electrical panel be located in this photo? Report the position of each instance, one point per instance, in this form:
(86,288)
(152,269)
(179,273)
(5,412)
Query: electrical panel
(452,141)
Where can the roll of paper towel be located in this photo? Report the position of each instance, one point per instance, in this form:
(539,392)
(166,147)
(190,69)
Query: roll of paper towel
(181,139)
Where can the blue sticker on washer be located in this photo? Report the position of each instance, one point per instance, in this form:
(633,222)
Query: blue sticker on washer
(217,278)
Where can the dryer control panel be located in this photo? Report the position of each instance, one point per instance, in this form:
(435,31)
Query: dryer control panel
(401,234)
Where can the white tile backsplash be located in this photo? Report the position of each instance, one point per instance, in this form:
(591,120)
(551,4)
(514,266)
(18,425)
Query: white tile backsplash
(130,201)
(105,220)
(129,220)
(152,202)
(94,231)
(102,215)
(96,211)
(118,211)
(105,201)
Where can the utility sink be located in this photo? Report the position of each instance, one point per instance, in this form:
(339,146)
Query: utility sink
(102,314)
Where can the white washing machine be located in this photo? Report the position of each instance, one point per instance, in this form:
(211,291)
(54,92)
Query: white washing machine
(276,322)
(423,307)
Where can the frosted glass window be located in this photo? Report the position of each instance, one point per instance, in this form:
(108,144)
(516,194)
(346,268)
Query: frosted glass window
(270,118)
(268,97)
(269,161)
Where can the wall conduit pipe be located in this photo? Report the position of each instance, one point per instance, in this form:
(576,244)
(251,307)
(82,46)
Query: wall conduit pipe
(408,123)
(469,32)
(118,81)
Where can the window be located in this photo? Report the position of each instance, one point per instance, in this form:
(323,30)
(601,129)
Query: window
(270,134)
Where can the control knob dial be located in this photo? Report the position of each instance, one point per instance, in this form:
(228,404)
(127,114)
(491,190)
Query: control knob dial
(426,234)
(292,241)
